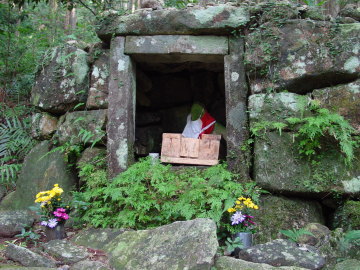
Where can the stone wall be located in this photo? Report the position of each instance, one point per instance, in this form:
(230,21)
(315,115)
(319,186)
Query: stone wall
(277,55)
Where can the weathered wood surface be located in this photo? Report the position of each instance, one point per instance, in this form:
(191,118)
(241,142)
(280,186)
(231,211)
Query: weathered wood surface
(177,149)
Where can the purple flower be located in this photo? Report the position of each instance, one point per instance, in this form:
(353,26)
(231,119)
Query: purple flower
(52,223)
(43,223)
(237,218)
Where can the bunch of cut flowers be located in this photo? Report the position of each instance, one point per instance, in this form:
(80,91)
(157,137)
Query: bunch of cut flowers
(52,209)
(241,217)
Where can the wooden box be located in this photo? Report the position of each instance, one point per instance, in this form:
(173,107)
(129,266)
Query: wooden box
(178,149)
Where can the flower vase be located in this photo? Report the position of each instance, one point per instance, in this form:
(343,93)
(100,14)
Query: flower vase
(56,233)
(245,237)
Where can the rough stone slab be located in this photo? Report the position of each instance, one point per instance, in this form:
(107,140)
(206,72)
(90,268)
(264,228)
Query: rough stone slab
(230,263)
(71,124)
(307,55)
(276,107)
(11,222)
(350,264)
(213,20)
(65,251)
(89,265)
(39,173)
(26,257)
(180,245)
(121,112)
(236,92)
(43,126)
(343,99)
(282,213)
(96,238)
(290,173)
(63,81)
(99,80)
(177,45)
(282,252)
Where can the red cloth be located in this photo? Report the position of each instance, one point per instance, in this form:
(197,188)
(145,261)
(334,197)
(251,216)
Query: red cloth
(206,120)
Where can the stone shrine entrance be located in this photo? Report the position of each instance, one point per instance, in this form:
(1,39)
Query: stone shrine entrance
(154,81)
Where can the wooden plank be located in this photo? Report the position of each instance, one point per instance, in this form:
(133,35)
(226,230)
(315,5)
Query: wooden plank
(171,145)
(189,148)
(209,149)
(211,137)
(190,161)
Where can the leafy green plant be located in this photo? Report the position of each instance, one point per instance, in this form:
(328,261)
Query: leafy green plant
(15,143)
(295,234)
(232,244)
(179,3)
(29,236)
(148,195)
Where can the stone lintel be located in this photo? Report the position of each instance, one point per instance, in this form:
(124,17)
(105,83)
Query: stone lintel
(212,20)
(121,111)
(198,45)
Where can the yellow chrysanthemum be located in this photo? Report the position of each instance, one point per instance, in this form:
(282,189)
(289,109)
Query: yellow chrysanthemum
(231,210)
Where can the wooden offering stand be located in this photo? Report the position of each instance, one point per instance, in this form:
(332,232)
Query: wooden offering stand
(178,149)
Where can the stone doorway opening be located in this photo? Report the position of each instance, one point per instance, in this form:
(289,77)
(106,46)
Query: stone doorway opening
(166,88)
(186,69)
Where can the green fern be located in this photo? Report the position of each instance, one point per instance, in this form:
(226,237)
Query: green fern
(295,234)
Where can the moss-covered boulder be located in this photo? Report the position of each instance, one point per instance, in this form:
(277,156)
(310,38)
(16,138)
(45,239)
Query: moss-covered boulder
(12,222)
(290,173)
(39,173)
(96,238)
(43,126)
(281,213)
(343,99)
(348,216)
(230,263)
(180,245)
(63,80)
(99,79)
(82,126)
(302,55)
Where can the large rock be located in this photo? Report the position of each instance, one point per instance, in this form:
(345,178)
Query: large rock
(99,80)
(43,126)
(65,251)
(290,173)
(96,238)
(12,222)
(220,19)
(348,216)
(281,213)
(229,263)
(26,257)
(63,81)
(89,265)
(276,107)
(282,252)
(39,173)
(180,245)
(343,99)
(302,55)
(320,235)
(351,264)
(82,126)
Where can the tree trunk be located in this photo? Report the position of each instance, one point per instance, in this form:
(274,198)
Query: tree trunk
(70,20)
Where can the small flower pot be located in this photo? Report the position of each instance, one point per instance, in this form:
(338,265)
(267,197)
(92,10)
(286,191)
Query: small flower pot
(56,233)
(245,237)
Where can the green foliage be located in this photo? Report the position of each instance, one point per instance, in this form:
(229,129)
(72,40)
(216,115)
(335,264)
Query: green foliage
(295,234)
(15,143)
(29,236)
(179,3)
(314,3)
(148,195)
(311,130)
(231,244)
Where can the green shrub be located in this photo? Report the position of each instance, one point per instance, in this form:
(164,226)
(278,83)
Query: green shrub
(149,195)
